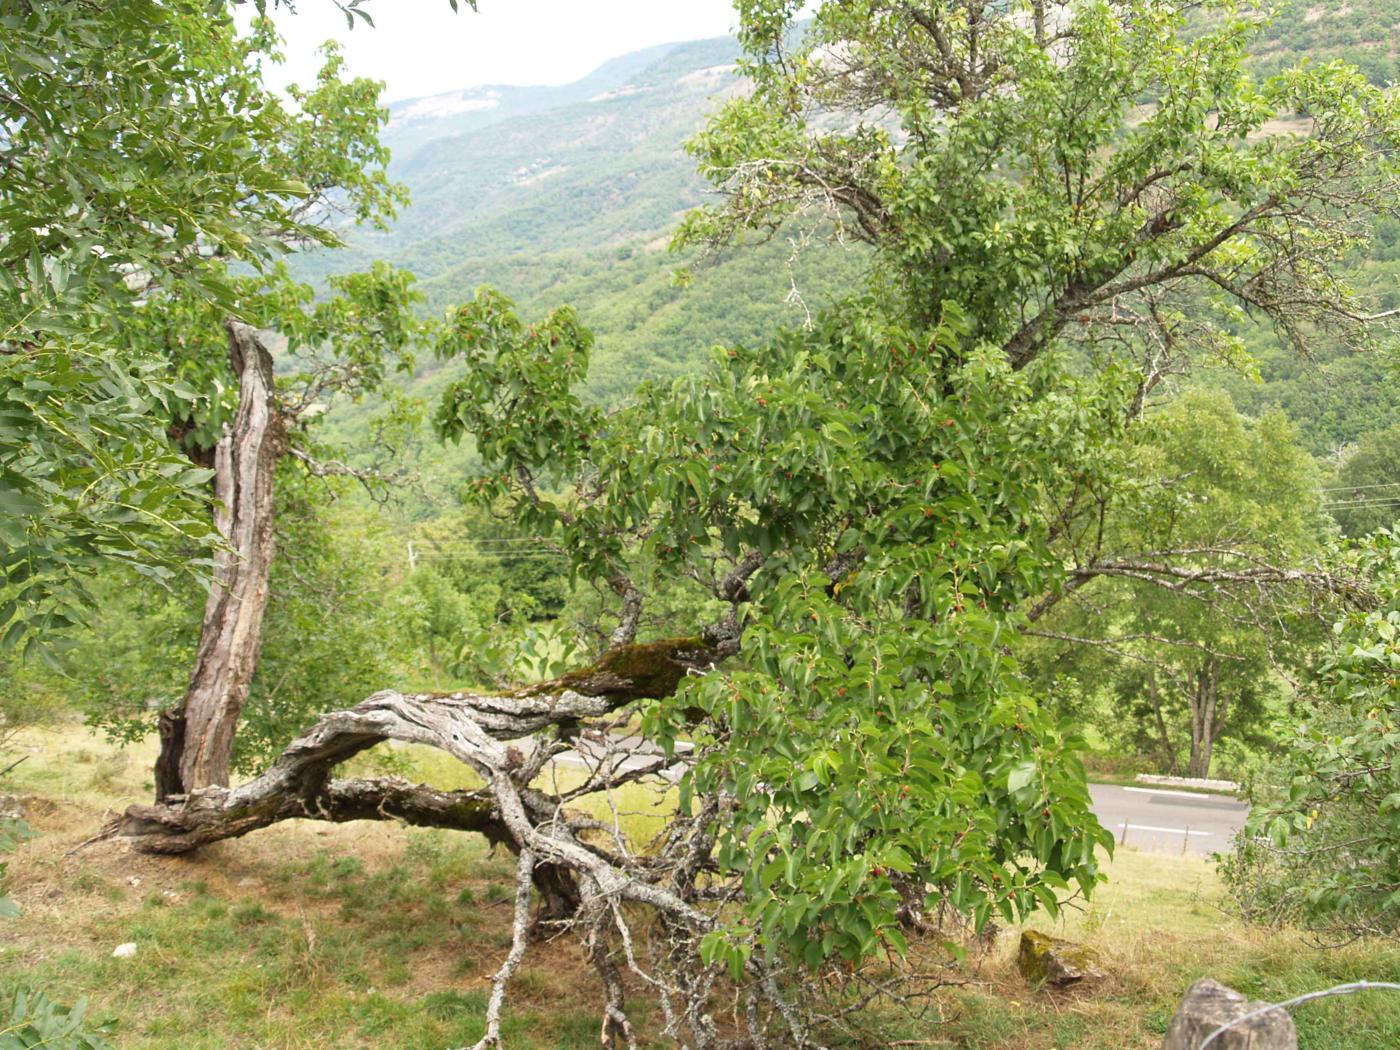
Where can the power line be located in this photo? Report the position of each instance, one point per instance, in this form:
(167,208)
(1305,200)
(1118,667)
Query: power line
(494,554)
(488,545)
(1358,488)
(1379,500)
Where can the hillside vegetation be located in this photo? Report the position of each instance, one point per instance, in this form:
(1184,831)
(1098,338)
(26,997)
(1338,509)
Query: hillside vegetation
(571,194)
(661,560)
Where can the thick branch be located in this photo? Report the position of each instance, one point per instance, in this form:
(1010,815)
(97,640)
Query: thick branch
(472,727)
(1182,577)
(217,813)
(1154,568)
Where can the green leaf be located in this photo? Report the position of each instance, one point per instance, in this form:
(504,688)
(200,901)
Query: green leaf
(1021,775)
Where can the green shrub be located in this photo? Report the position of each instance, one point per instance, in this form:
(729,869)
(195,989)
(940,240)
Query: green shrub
(36,1021)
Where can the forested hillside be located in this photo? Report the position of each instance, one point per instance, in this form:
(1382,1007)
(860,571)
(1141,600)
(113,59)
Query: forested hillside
(576,203)
(1361,32)
(570,194)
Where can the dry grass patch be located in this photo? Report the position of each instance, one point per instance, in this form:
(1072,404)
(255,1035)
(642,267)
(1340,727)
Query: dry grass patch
(375,935)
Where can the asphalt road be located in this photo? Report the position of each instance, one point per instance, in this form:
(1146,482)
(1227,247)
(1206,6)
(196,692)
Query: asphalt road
(1159,820)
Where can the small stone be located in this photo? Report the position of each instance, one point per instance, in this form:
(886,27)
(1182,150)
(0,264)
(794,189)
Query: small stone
(133,881)
(1043,959)
(1209,1004)
(248,881)
(124,951)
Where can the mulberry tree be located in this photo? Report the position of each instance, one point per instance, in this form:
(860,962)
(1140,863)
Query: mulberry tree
(1066,204)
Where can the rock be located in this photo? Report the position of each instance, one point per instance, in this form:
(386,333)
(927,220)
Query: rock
(124,951)
(1209,1004)
(1049,960)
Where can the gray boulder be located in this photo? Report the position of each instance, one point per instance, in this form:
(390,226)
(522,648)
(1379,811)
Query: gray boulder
(1209,1004)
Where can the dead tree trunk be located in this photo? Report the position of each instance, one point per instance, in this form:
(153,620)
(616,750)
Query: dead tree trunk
(197,736)
(649,911)
(470,726)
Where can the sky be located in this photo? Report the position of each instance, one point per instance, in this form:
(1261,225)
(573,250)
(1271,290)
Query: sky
(419,47)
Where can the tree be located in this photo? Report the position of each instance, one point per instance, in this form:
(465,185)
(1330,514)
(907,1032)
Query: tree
(152,183)
(866,507)
(1212,490)
(133,144)
(1322,845)
(1365,493)
(232,414)
(1029,183)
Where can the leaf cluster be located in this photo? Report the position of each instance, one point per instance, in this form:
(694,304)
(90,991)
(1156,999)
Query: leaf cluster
(151,186)
(1322,846)
(865,495)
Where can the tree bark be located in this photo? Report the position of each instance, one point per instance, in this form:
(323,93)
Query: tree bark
(1154,697)
(1205,729)
(213,814)
(472,727)
(197,736)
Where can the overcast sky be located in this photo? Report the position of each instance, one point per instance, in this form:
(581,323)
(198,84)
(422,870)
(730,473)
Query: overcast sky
(419,47)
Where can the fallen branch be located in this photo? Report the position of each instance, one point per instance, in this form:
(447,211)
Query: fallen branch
(585,876)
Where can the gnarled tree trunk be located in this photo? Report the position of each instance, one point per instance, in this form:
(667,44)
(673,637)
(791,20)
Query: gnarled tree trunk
(583,874)
(467,725)
(197,736)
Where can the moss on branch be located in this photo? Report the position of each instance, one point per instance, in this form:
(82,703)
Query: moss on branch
(648,670)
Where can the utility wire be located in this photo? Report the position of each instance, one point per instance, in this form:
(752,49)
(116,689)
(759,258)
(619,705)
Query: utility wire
(1341,989)
(1357,488)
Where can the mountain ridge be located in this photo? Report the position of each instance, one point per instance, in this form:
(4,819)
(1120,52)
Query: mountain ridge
(420,119)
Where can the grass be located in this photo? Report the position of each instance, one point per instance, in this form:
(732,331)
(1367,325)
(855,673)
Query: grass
(1158,925)
(374,935)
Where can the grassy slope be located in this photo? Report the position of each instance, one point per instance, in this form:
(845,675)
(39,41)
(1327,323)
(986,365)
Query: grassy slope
(377,936)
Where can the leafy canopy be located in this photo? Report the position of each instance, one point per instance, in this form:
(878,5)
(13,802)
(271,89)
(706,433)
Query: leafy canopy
(151,185)
(867,492)
(1110,169)
(864,502)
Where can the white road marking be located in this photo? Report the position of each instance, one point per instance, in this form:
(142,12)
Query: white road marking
(1165,791)
(1165,831)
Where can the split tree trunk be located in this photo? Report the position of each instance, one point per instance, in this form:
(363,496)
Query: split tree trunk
(1163,737)
(1207,717)
(197,736)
